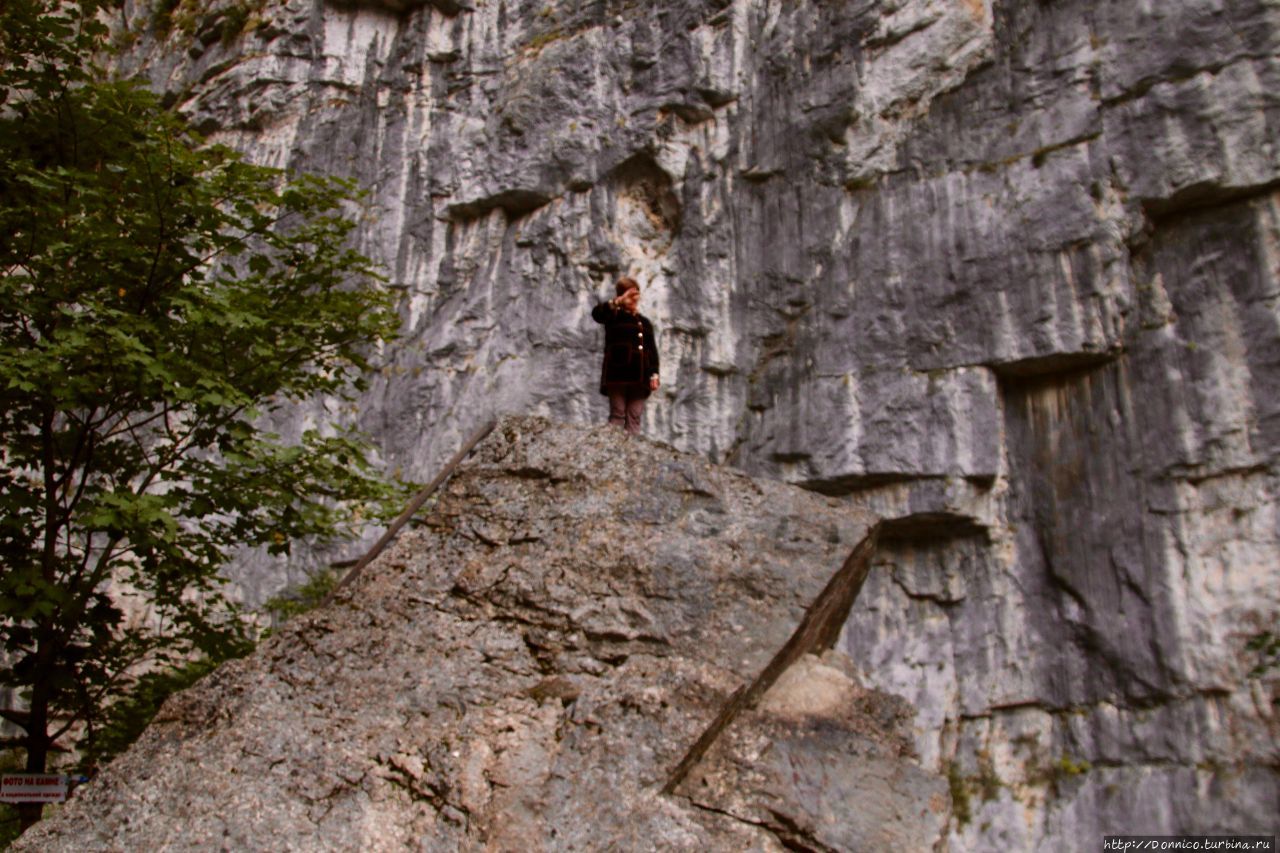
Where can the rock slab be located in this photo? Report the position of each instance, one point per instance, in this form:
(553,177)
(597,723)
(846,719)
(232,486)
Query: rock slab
(525,669)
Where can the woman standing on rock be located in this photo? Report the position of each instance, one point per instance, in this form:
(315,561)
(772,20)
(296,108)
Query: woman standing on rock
(630,369)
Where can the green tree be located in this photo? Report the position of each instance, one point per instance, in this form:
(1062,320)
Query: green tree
(159,298)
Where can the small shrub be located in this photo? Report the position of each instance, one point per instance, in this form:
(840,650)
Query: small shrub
(10,821)
(127,718)
(989,783)
(162,15)
(1068,766)
(306,597)
(961,805)
(234,21)
(1267,646)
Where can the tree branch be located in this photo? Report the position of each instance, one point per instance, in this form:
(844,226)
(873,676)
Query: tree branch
(15,716)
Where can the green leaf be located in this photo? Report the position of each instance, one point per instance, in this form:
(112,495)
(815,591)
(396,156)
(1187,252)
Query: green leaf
(150,311)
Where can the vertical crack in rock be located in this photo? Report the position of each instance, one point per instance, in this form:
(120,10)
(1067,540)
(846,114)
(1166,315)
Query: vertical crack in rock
(817,632)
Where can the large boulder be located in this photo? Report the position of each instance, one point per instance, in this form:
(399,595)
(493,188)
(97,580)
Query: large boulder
(590,642)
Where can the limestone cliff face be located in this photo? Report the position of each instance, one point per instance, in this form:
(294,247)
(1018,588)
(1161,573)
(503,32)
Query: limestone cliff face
(1012,268)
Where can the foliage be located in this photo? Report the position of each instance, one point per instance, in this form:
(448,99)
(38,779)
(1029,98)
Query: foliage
(306,597)
(126,719)
(962,788)
(162,13)
(192,18)
(961,803)
(1267,646)
(1068,766)
(159,299)
(10,826)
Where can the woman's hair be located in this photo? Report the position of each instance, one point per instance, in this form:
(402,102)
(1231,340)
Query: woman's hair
(626,283)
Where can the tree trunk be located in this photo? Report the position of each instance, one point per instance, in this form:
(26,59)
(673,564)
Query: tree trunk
(38,722)
(29,814)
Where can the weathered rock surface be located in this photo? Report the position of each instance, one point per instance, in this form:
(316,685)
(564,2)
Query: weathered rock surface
(526,671)
(1013,267)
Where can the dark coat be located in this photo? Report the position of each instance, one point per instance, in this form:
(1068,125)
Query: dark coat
(630,351)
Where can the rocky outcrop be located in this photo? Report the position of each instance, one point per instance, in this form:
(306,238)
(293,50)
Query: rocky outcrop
(1008,267)
(544,664)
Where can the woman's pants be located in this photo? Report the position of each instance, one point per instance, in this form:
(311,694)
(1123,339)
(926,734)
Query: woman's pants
(625,411)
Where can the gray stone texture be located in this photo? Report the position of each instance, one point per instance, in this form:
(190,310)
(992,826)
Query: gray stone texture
(1012,268)
(525,670)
